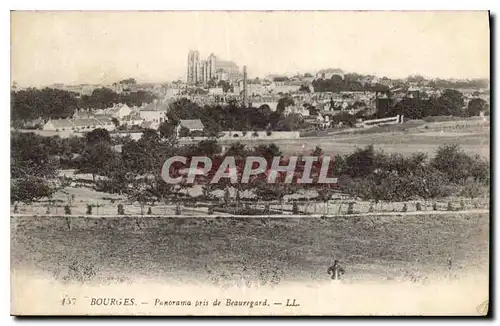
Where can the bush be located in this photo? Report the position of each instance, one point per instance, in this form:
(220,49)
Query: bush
(177,210)
(418,207)
(67,210)
(16,209)
(149,211)
(269,132)
(449,207)
(89,209)
(255,134)
(121,210)
(350,208)
(295,208)
(459,166)
(472,190)
(405,208)
(434,206)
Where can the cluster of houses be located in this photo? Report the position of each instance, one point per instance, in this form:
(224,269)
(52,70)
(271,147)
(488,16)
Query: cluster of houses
(119,116)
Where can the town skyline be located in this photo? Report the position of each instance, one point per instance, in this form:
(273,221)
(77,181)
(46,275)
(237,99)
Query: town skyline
(99,48)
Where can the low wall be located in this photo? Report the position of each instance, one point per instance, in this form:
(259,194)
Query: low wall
(251,135)
(261,135)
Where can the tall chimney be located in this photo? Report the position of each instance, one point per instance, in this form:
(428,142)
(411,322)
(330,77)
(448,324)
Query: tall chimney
(245,86)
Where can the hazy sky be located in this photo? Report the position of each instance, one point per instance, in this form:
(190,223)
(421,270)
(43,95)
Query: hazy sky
(103,47)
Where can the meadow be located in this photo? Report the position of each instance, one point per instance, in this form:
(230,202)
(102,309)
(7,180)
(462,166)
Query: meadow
(472,134)
(227,250)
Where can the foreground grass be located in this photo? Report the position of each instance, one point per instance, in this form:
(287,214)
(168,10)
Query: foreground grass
(225,250)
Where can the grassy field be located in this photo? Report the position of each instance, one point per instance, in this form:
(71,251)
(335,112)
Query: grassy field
(472,134)
(227,250)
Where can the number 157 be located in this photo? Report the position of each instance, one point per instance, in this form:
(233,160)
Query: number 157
(68,301)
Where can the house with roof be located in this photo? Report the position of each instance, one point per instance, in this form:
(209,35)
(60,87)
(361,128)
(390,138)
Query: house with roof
(296,109)
(35,123)
(153,115)
(119,111)
(58,125)
(150,125)
(82,114)
(191,125)
(83,124)
(105,122)
(134,119)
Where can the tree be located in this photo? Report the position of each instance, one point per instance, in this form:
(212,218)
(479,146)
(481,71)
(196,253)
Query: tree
(143,193)
(96,158)
(304,88)
(455,163)
(291,122)
(130,81)
(237,150)
(167,130)
(29,189)
(98,135)
(101,98)
(226,87)
(50,103)
(480,169)
(209,147)
(150,136)
(317,152)
(283,103)
(476,106)
(409,107)
(473,190)
(32,156)
(433,184)
(451,102)
(183,132)
(267,151)
(345,118)
(361,162)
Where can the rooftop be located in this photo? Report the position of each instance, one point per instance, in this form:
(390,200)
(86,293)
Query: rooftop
(195,124)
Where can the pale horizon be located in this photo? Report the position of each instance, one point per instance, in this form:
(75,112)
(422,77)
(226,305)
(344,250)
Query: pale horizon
(105,47)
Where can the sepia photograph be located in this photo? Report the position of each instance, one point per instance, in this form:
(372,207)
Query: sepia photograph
(250,163)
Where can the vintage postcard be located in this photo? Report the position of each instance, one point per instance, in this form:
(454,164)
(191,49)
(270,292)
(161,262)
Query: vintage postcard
(279,163)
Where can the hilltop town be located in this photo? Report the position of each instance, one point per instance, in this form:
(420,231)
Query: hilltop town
(329,99)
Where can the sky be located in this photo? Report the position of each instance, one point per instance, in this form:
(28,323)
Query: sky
(104,47)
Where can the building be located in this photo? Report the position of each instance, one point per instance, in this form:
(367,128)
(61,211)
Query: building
(58,125)
(153,115)
(192,73)
(150,125)
(81,124)
(329,73)
(82,114)
(200,71)
(133,119)
(216,91)
(105,122)
(119,111)
(191,125)
(287,86)
(382,106)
